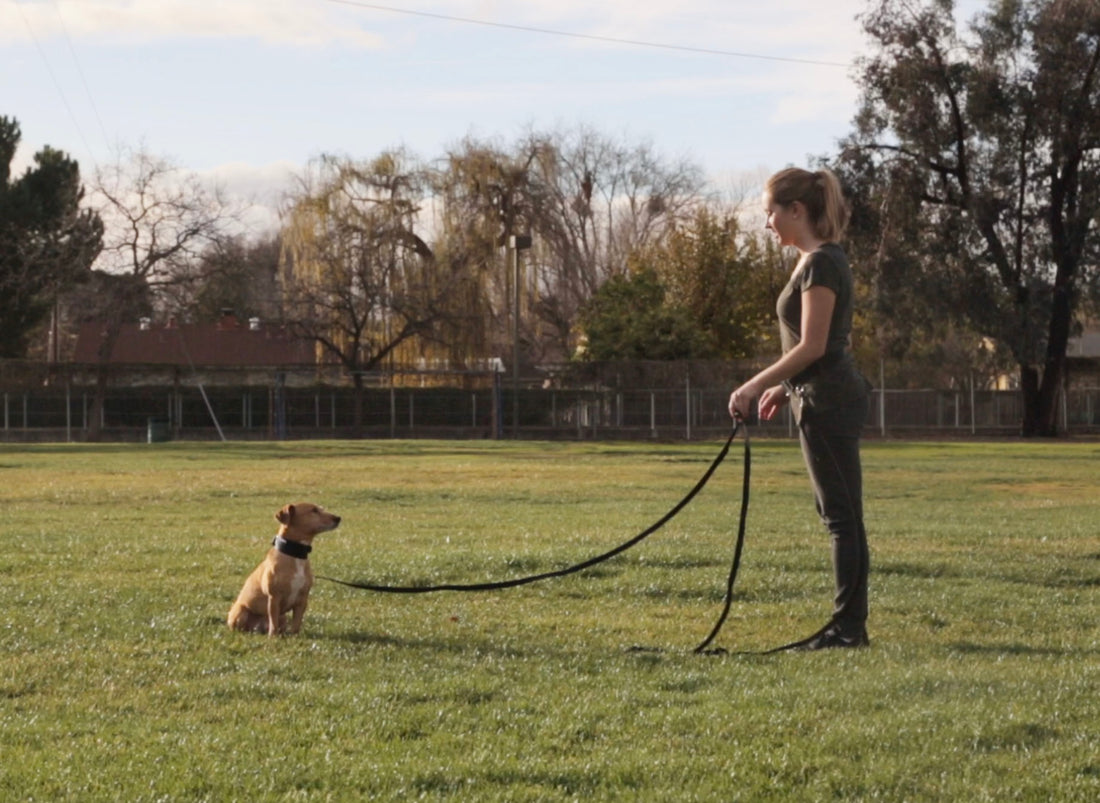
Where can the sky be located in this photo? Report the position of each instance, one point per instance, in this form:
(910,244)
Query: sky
(248,91)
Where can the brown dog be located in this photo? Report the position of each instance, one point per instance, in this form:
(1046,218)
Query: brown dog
(280,585)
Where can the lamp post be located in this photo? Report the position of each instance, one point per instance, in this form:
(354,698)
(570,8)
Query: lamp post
(516,243)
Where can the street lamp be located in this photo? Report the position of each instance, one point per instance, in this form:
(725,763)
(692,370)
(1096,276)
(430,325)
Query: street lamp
(516,243)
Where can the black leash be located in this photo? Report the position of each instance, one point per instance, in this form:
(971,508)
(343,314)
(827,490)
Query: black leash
(519,581)
(746,472)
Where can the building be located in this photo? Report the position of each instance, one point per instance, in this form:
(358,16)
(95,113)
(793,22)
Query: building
(226,343)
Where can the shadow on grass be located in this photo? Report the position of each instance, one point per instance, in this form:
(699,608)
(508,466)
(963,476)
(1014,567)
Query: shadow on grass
(386,640)
(435,644)
(972,648)
(512,651)
(1056,579)
(920,571)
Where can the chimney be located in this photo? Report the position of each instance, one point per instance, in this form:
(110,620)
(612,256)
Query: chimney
(228,319)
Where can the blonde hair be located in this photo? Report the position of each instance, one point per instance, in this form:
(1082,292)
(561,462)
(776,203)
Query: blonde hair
(819,191)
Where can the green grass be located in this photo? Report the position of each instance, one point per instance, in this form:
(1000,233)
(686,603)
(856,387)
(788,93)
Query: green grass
(120,681)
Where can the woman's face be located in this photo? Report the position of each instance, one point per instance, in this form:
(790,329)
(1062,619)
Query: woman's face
(781,220)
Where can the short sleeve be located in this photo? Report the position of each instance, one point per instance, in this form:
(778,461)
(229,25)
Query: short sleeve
(821,270)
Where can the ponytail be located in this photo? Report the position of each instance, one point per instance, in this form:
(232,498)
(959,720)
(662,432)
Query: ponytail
(819,192)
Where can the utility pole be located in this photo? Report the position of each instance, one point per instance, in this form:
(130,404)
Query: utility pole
(516,243)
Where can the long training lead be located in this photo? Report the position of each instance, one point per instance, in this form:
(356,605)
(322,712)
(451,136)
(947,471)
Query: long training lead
(623,547)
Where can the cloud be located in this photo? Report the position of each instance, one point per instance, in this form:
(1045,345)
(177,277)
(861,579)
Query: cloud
(808,29)
(263,182)
(265,80)
(768,29)
(257,189)
(278,22)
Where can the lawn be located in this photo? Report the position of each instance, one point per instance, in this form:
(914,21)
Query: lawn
(119,680)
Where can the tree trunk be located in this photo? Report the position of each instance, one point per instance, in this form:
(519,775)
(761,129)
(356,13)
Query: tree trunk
(112,330)
(1041,395)
(1029,390)
(95,412)
(357,407)
(1041,399)
(1049,389)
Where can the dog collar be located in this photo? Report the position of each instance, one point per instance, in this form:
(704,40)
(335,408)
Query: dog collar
(292,548)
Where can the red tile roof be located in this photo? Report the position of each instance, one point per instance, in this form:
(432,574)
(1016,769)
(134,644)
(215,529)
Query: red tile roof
(226,343)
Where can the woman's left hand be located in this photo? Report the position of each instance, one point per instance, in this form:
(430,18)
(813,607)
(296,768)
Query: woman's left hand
(772,400)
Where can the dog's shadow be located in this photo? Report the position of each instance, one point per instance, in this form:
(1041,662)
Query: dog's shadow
(430,644)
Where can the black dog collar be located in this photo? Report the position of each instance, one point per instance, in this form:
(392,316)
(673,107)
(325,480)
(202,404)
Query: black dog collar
(292,548)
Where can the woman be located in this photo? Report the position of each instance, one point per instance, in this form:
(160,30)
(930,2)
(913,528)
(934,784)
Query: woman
(818,377)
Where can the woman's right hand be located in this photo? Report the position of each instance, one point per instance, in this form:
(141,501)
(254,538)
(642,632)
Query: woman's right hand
(772,401)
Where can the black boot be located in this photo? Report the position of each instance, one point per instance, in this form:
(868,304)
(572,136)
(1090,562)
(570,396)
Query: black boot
(833,637)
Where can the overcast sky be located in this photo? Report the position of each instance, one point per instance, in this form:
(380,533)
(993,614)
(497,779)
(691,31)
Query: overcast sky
(252,89)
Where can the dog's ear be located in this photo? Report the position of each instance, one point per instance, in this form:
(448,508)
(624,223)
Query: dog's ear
(285,515)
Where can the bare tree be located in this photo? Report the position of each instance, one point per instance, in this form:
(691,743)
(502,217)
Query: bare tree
(589,203)
(158,219)
(600,202)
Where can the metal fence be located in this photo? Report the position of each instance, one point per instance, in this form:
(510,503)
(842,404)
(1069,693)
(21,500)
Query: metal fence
(481,405)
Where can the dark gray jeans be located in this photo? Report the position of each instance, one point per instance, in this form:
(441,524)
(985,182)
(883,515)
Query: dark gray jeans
(830,424)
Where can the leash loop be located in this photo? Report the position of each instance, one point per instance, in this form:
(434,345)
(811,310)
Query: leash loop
(519,581)
(623,547)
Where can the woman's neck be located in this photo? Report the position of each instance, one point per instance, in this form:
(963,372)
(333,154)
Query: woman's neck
(805,248)
(808,244)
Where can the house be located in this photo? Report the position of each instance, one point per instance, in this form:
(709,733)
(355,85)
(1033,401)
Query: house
(226,343)
(1083,356)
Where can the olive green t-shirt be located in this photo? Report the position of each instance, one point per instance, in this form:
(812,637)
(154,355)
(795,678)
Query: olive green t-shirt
(825,267)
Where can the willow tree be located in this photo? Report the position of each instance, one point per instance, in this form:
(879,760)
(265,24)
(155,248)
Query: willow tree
(980,154)
(358,276)
(483,195)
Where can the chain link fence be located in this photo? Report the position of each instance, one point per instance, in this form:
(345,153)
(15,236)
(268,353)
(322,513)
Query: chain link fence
(673,401)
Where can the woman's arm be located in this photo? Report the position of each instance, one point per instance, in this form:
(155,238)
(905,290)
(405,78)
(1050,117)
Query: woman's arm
(817,314)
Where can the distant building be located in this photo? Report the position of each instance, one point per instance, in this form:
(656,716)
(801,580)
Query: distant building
(1083,356)
(1087,344)
(224,344)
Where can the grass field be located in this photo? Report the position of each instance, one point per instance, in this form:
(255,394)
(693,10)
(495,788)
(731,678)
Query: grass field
(119,680)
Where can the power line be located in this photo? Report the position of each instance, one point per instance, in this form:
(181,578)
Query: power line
(56,83)
(590,37)
(83,77)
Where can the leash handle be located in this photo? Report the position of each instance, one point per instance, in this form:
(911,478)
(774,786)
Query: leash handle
(748,420)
